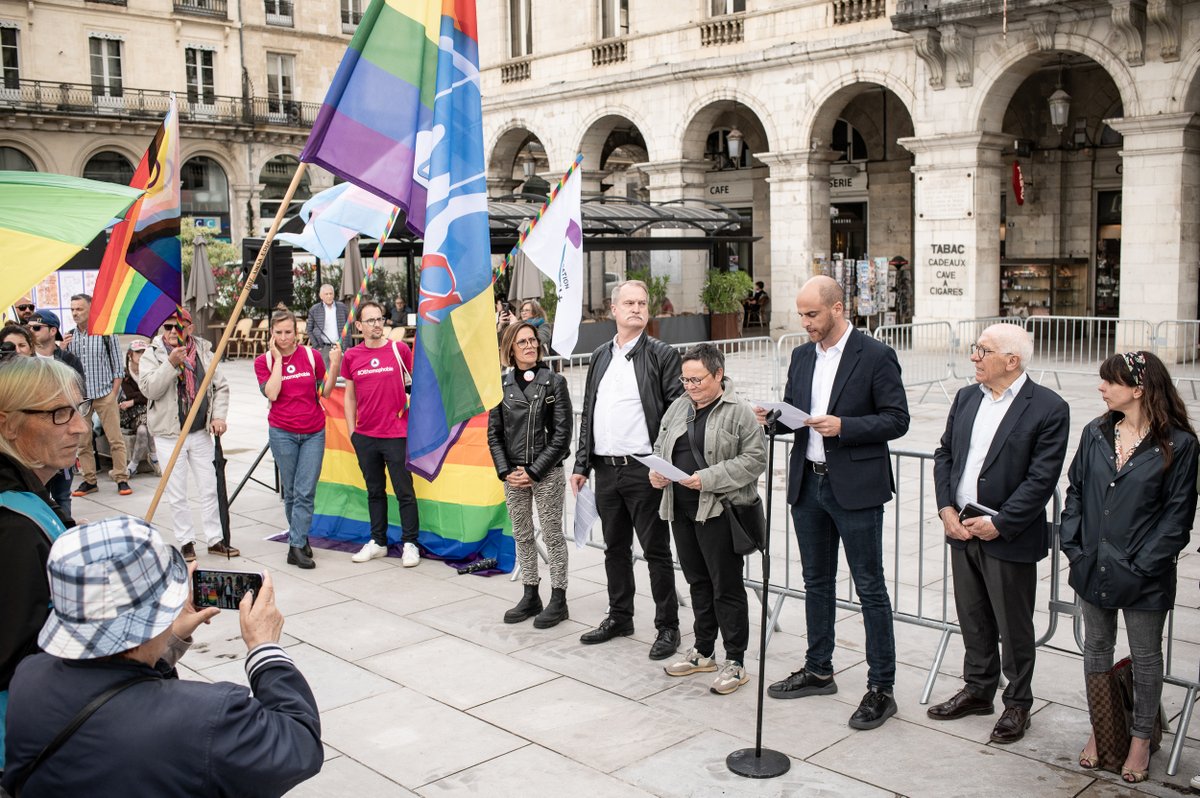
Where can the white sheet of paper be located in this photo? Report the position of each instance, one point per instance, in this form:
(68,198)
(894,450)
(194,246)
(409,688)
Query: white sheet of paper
(656,463)
(791,415)
(585,515)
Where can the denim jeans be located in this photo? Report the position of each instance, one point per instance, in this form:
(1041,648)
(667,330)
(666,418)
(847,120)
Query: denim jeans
(298,457)
(820,523)
(1144,628)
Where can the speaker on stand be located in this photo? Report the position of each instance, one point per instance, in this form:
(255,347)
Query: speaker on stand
(274,282)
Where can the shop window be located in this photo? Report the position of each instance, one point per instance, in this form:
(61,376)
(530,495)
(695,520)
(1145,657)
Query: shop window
(204,195)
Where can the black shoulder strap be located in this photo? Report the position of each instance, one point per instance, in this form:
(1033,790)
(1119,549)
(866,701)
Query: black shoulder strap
(691,433)
(73,727)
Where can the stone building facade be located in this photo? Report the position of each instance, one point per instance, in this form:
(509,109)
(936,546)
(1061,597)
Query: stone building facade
(916,130)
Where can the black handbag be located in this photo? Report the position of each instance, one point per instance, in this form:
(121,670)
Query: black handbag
(747,522)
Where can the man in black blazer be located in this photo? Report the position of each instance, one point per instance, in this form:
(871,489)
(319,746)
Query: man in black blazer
(839,478)
(1003,452)
(326,320)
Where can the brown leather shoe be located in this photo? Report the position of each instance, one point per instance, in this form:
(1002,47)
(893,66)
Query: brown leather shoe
(1011,726)
(962,704)
(222,550)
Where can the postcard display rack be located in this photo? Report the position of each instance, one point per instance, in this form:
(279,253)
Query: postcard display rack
(1043,287)
(875,292)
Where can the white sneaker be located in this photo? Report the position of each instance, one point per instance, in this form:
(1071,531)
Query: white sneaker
(411,556)
(369,552)
(731,677)
(1195,782)
(692,662)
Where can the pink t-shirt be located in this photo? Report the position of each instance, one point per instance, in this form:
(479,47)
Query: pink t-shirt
(296,409)
(382,402)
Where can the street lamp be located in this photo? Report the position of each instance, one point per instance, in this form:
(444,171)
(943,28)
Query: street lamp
(1060,103)
(733,143)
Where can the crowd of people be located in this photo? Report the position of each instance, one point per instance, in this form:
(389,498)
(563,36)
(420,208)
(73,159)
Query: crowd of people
(1128,514)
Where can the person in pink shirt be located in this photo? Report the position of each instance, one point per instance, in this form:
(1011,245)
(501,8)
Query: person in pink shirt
(290,376)
(377,374)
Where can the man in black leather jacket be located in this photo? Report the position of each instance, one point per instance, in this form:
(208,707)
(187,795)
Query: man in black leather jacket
(631,382)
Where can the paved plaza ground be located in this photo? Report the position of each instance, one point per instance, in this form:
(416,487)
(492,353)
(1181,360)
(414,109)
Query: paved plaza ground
(423,690)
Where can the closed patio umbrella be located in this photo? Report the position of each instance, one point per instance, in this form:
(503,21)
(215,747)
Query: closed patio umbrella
(201,289)
(352,269)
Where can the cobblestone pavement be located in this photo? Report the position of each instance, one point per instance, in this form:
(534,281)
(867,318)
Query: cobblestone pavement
(424,691)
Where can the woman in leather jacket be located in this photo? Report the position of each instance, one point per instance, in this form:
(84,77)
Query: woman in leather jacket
(529,434)
(1128,514)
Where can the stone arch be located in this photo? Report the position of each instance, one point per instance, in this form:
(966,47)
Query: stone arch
(106,144)
(261,157)
(1185,87)
(600,125)
(704,113)
(829,104)
(509,141)
(222,158)
(31,148)
(1003,77)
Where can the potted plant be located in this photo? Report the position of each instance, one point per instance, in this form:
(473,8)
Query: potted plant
(723,294)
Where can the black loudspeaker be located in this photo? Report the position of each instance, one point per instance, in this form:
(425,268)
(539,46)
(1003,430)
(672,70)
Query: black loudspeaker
(274,283)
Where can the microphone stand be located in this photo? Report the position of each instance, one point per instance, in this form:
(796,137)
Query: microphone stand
(759,762)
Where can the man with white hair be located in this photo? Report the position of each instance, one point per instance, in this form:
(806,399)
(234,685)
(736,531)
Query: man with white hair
(326,320)
(994,472)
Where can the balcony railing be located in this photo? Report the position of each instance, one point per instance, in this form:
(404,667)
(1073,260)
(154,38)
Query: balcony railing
(608,52)
(723,30)
(79,99)
(514,71)
(279,12)
(846,12)
(350,20)
(203,8)
(109,2)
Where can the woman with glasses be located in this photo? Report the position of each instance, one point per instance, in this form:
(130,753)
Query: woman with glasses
(1128,513)
(532,312)
(290,376)
(529,433)
(711,434)
(40,431)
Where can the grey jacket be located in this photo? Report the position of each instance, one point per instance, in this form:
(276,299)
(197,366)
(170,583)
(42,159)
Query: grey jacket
(733,446)
(158,379)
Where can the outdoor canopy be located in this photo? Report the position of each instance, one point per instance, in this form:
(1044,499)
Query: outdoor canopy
(45,219)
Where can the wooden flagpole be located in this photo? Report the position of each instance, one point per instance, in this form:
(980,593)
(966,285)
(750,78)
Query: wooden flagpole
(219,352)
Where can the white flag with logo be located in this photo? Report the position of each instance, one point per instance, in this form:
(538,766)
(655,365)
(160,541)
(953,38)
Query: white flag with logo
(555,245)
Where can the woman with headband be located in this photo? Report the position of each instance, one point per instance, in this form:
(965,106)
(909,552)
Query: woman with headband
(1128,514)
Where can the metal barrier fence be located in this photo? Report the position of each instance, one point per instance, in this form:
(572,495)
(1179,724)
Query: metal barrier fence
(1177,343)
(925,352)
(966,333)
(1079,344)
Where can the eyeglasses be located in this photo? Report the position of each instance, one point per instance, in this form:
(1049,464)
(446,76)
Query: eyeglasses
(26,307)
(693,381)
(983,351)
(376,320)
(525,343)
(63,415)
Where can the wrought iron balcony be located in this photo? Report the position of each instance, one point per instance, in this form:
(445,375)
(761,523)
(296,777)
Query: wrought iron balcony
(203,8)
(279,12)
(82,100)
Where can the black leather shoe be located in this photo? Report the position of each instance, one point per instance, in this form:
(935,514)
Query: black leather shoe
(876,707)
(298,558)
(307,549)
(666,644)
(962,704)
(607,630)
(1011,726)
(800,684)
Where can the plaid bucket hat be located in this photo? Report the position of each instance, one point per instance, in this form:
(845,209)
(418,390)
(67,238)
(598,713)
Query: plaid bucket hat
(114,584)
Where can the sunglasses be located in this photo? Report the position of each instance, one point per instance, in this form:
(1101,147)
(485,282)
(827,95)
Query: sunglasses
(37,327)
(26,307)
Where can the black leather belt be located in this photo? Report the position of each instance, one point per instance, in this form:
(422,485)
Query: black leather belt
(817,468)
(618,460)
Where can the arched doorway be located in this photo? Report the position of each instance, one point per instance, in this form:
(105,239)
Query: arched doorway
(13,160)
(610,146)
(518,164)
(275,178)
(870,207)
(109,167)
(205,196)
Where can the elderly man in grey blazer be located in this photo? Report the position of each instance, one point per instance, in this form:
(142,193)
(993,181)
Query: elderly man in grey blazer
(326,320)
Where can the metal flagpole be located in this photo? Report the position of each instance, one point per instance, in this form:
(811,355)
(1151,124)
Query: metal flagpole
(219,352)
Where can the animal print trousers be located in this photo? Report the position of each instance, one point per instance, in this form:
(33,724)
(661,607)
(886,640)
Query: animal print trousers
(549,495)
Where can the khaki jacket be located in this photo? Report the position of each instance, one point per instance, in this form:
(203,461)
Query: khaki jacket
(734,447)
(158,380)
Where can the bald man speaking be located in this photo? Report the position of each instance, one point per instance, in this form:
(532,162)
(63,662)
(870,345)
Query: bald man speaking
(839,478)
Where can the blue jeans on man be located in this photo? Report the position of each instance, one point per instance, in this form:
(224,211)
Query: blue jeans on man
(298,457)
(820,524)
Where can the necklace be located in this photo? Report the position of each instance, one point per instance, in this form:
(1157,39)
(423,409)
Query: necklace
(1123,455)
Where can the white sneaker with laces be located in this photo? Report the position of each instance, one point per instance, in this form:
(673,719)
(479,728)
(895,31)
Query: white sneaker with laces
(1195,782)
(692,662)
(369,552)
(411,556)
(731,677)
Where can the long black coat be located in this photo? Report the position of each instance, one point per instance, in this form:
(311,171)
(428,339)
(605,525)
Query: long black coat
(1122,530)
(531,427)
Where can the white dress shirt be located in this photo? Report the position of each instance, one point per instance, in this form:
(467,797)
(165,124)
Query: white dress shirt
(618,419)
(824,372)
(987,421)
(330,327)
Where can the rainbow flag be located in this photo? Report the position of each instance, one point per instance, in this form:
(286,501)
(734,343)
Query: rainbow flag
(141,277)
(403,119)
(462,512)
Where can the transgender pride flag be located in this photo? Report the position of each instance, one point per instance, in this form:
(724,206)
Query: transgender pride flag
(403,119)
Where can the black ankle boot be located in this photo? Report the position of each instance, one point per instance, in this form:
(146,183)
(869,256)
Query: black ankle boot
(555,611)
(529,606)
(298,557)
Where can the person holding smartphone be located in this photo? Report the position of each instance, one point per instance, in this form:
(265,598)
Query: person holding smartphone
(291,377)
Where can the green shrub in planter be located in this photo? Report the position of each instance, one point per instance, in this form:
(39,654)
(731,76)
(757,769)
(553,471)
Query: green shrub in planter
(724,291)
(657,287)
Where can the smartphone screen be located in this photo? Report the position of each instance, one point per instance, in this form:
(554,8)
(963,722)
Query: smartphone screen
(223,589)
